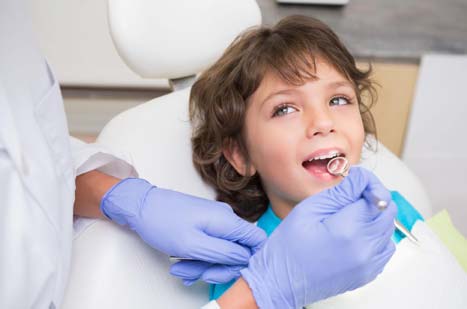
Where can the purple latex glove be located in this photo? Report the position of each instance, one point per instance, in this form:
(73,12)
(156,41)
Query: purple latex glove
(192,271)
(184,226)
(332,242)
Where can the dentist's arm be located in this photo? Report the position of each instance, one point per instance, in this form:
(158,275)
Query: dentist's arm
(90,188)
(336,241)
(174,223)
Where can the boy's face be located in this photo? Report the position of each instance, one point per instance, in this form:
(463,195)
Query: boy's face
(288,125)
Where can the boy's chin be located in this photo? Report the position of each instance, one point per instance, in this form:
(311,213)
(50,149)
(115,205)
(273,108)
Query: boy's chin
(332,182)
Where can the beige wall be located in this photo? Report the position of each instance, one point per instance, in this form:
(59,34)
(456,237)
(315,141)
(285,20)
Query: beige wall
(395,95)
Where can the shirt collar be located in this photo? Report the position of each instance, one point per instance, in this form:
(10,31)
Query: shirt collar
(269,221)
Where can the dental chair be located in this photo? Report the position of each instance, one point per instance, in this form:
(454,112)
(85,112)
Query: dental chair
(111,266)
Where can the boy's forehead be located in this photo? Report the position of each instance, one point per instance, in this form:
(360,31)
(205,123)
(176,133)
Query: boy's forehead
(272,81)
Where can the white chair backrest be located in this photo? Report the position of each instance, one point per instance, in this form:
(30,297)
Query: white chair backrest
(177,38)
(156,136)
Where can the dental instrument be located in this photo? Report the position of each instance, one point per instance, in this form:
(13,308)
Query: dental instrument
(339,166)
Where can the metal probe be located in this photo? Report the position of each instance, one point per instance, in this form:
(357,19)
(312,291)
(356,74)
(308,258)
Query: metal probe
(339,166)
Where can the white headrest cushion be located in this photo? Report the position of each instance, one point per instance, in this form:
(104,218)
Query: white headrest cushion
(177,38)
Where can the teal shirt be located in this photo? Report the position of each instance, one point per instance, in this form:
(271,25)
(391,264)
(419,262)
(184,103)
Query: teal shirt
(406,214)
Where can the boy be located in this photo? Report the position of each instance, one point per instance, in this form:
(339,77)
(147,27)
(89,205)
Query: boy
(270,114)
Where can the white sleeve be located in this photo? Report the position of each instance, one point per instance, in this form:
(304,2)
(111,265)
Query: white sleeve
(211,305)
(92,156)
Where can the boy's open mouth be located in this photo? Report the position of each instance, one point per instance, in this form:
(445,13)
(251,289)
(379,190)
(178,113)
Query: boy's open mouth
(318,165)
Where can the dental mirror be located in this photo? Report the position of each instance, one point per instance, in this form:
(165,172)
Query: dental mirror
(338,166)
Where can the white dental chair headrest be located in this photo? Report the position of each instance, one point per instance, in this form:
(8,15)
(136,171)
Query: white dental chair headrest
(177,38)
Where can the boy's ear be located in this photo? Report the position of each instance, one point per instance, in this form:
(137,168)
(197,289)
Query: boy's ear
(237,159)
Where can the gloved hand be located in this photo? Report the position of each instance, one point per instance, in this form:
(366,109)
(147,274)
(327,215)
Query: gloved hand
(185,226)
(330,243)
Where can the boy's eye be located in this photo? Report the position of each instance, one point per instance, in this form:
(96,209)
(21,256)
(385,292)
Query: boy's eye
(282,110)
(339,101)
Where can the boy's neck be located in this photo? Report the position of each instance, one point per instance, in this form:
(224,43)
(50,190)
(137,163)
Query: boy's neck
(281,209)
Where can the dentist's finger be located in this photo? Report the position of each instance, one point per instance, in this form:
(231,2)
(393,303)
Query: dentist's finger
(384,220)
(239,231)
(351,188)
(217,274)
(218,250)
(377,194)
(188,282)
(349,220)
(382,258)
(382,241)
(191,271)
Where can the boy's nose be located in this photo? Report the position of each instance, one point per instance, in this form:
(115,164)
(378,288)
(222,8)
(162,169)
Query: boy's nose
(320,122)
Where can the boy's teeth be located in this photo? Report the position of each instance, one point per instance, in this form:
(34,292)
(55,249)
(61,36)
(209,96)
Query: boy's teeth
(328,156)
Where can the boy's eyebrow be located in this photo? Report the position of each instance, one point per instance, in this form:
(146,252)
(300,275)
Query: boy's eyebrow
(283,91)
(344,83)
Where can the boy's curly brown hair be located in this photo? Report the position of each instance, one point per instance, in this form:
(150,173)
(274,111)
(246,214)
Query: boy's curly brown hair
(219,98)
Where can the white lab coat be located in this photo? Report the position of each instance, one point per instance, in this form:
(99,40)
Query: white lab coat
(37,170)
